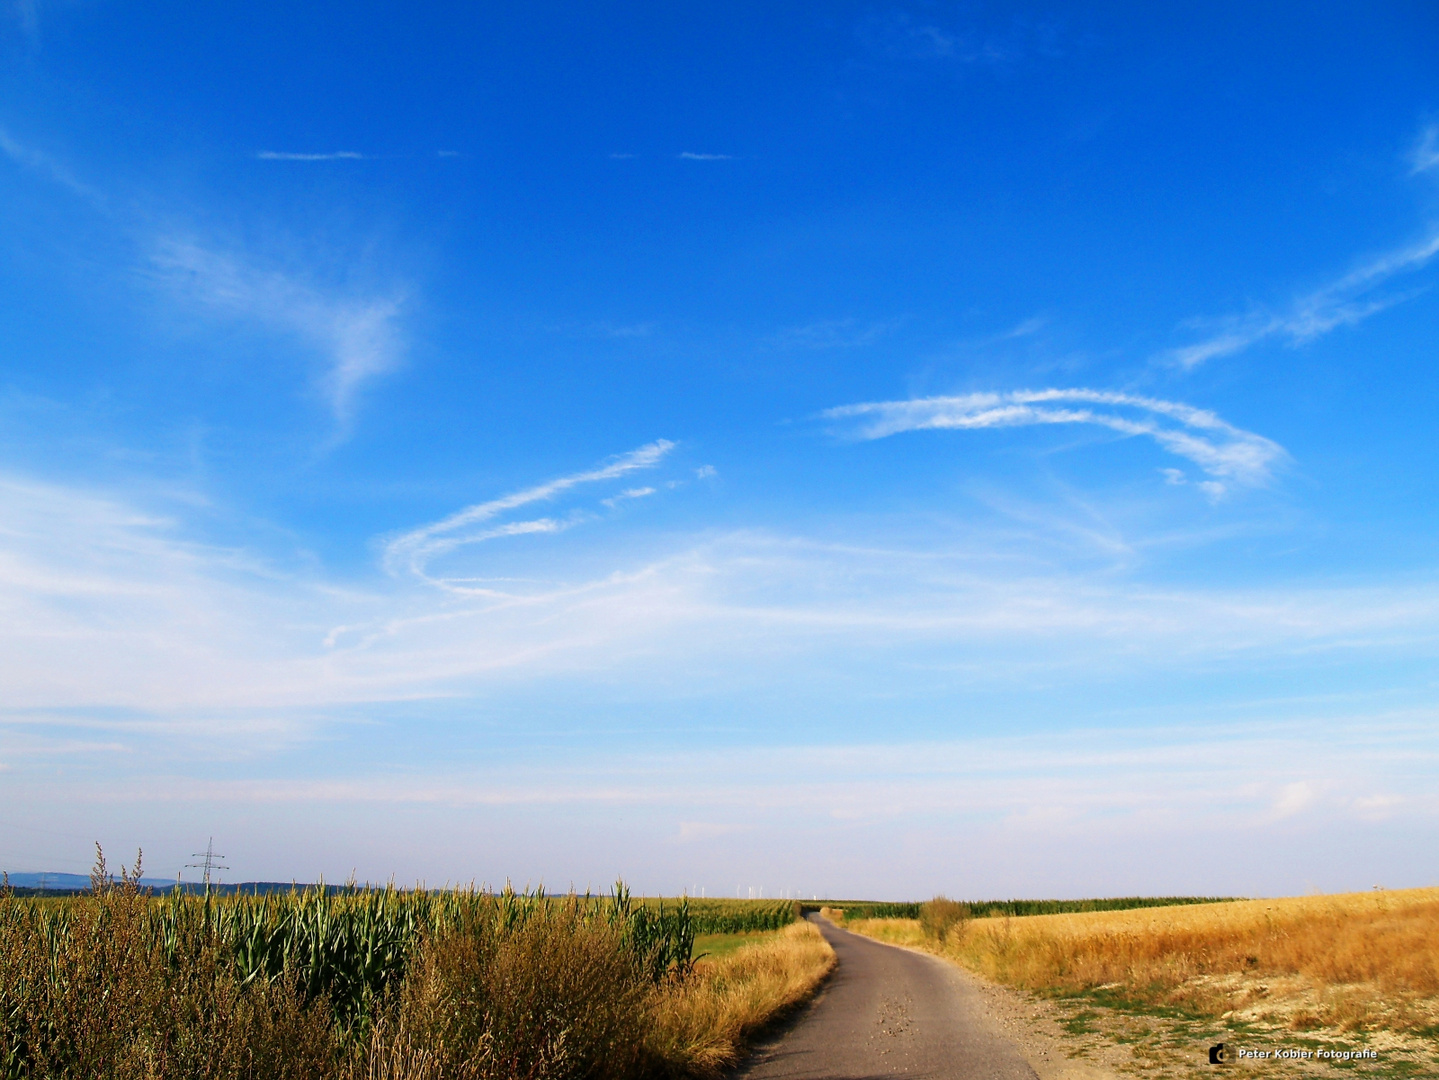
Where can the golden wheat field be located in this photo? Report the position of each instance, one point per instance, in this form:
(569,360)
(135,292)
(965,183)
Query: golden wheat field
(1357,961)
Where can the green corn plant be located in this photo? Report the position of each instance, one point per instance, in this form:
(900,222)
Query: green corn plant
(350,949)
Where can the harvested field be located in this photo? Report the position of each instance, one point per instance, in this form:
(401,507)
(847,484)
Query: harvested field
(1352,970)
(1357,961)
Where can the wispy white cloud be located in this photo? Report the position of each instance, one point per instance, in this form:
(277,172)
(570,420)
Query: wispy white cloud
(688,155)
(1345,302)
(139,615)
(1425,155)
(125,643)
(47,166)
(1230,455)
(413,550)
(833,334)
(108,607)
(1022,329)
(337,155)
(628,493)
(357,334)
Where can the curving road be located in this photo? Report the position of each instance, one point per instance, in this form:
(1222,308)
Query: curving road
(888,1012)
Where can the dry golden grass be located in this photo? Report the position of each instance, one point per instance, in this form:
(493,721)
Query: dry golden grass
(906,932)
(1359,961)
(700,1027)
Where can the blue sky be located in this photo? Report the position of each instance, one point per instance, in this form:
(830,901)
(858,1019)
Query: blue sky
(839,449)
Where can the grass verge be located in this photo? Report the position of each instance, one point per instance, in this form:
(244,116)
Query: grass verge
(701,1027)
(715,946)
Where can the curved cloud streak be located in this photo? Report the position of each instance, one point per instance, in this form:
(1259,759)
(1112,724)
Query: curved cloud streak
(1344,302)
(1230,455)
(413,550)
(358,335)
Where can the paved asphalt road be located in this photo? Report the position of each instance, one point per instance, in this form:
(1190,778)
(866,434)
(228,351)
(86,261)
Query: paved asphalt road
(888,1012)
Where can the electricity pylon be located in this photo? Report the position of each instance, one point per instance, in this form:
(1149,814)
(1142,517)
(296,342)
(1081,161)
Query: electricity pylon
(211,861)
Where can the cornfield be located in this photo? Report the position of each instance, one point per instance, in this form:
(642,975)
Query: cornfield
(979,909)
(1020,908)
(120,983)
(869,909)
(738,916)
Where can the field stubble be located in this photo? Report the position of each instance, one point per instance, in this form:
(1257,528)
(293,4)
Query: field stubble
(1311,972)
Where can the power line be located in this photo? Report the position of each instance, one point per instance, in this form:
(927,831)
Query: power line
(211,860)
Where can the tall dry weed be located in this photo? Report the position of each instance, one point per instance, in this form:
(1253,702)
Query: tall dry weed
(559,997)
(86,992)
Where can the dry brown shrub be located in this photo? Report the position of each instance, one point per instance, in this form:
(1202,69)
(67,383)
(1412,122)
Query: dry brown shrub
(939,916)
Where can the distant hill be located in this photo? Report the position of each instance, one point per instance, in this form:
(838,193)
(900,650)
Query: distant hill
(65,881)
(64,884)
(70,883)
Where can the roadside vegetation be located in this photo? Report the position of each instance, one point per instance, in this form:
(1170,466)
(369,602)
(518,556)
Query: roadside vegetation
(703,1025)
(383,984)
(1354,963)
